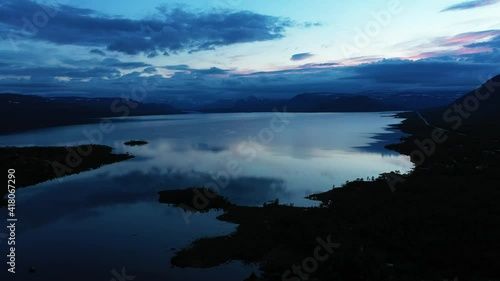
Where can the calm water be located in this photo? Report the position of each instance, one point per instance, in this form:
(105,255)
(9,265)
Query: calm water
(83,226)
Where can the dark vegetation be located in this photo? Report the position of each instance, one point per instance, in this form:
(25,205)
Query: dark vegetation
(484,120)
(34,165)
(135,143)
(186,199)
(441,221)
(27,112)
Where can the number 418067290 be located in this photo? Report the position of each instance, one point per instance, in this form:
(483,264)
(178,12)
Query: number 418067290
(11,197)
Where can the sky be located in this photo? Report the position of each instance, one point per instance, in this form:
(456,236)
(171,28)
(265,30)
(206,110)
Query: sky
(205,50)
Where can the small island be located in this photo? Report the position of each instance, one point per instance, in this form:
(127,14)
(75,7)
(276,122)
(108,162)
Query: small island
(135,143)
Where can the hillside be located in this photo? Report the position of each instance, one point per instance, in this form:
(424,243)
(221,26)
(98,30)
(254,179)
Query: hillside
(476,113)
(26,112)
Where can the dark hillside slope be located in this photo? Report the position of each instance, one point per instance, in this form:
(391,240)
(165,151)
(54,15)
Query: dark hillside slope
(476,113)
(26,112)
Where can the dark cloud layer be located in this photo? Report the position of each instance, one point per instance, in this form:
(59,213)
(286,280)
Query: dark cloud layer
(301,56)
(126,65)
(319,65)
(168,31)
(493,43)
(470,5)
(467,57)
(98,52)
(195,86)
(436,72)
(57,71)
(211,71)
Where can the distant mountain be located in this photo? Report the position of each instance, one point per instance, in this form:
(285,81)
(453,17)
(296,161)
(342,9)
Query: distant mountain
(25,112)
(416,101)
(307,103)
(334,103)
(254,104)
(217,105)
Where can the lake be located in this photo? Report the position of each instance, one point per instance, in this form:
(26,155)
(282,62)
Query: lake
(92,225)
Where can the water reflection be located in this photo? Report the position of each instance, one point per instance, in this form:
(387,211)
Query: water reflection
(77,198)
(109,218)
(307,169)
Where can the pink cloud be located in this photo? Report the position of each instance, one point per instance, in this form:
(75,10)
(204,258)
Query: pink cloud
(458,52)
(466,38)
(455,45)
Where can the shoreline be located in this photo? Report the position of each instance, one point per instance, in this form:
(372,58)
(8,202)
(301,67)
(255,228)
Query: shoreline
(384,232)
(37,164)
(97,120)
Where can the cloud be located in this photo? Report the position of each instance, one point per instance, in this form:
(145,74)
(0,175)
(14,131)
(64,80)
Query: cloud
(199,86)
(319,65)
(97,52)
(125,65)
(312,24)
(73,69)
(478,42)
(449,63)
(470,5)
(494,43)
(181,67)
(466,38)
(168,31)
(208,71)
(58,71)
(436,72)
(211,71)
(301,56)
(153,55)
(150,70)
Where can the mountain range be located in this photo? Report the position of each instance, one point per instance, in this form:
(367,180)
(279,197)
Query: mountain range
(20,112)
